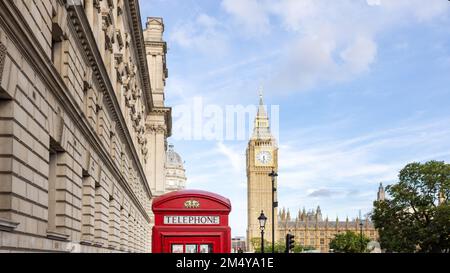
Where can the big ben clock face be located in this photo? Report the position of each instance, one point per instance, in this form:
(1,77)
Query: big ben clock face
(264,158)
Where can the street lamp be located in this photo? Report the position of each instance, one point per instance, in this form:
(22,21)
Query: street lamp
(262,225)
(361,231)
(273,174)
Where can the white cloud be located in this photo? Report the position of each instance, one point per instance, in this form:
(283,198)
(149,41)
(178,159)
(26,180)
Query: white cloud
(418,9)
(249,14)
(374,2)
(235,158)
(359,55)
(363,159)
(330,41)
(204,35)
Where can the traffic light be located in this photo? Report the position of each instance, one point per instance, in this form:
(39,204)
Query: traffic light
(290,242)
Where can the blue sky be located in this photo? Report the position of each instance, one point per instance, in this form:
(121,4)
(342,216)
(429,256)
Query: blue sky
(363,88)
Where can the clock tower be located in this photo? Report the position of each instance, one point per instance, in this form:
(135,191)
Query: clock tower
(262,158)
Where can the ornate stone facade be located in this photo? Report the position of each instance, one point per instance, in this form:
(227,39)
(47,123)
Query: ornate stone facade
(76,98)
(311,230)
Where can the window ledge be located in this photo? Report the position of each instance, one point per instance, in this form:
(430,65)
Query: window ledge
(6,225)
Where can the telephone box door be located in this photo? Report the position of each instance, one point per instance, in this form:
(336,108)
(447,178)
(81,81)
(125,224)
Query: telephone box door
(200,244)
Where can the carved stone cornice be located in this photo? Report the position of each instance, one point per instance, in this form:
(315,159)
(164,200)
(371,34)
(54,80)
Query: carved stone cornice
(157,128)
(162,44)
(137,36)
(19,33)
(167,113)
(2,60)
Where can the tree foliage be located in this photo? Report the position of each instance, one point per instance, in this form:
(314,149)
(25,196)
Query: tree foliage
(280,246)
(417,216)
(349,242)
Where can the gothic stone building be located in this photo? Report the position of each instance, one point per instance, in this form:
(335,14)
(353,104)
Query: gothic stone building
(262,158)
(309,228)
(83,125)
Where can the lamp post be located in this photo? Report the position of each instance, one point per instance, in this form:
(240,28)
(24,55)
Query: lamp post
(262,225)
(273,174)
(361,231)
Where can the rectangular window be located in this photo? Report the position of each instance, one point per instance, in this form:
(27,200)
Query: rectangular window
(52,191)
(191,248)
(207,248)
(177,248)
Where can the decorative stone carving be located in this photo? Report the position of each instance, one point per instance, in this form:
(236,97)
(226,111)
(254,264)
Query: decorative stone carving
(97,5)
(120,40)
(88,78)
(59,24)
(127,40)
(99,105)
(118,57)
(108,27)
(2,60)
(158,129)
(107,18)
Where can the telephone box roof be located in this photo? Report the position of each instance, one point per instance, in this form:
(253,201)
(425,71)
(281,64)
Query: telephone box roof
(191,193)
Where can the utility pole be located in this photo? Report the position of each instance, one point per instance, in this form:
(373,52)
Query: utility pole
(273,175)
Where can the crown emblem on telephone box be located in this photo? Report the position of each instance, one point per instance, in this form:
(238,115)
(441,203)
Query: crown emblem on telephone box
(192,204)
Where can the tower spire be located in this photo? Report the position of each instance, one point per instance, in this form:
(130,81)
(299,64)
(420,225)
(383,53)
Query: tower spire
(381,194)
(262,128)
(261,101)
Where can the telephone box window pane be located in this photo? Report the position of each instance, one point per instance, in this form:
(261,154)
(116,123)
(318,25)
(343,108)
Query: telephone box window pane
(206,248)
(191,248)
(177,248)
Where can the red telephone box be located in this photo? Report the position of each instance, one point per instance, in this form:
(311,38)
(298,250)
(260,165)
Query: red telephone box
(191,221)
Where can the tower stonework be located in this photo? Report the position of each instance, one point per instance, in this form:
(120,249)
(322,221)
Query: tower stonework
(380,194)
(159,121)
(262,158)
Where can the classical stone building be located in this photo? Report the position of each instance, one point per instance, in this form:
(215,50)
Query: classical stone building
(175,172)
(310,229)
(83,125)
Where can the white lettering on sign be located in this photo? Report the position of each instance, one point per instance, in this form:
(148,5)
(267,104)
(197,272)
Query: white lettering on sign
(191,220)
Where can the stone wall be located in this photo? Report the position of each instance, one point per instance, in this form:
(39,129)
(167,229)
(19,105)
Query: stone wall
(73,101)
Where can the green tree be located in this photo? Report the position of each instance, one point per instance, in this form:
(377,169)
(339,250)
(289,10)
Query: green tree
(256,243)
(349,242)
(298,248)
(280,246)
(307,248)
(417,216)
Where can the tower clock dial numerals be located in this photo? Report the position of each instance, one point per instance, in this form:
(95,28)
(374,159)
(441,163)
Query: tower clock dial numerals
(264,157)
